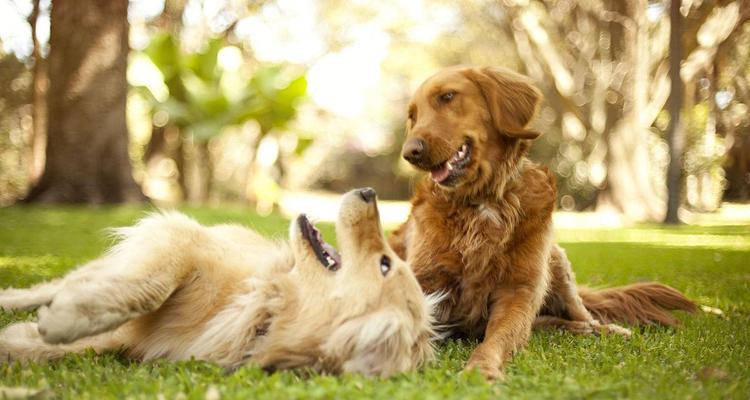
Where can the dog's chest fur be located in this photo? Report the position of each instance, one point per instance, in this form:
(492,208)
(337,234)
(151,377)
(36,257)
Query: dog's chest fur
(466,250)
(449,253)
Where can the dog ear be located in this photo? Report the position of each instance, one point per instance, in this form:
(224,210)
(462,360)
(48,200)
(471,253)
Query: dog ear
(379,344)
(511,100)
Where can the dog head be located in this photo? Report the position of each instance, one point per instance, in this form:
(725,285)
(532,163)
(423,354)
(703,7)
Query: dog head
(356,309)
(461,120)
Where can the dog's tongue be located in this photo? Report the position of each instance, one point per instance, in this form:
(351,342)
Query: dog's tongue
(439,174)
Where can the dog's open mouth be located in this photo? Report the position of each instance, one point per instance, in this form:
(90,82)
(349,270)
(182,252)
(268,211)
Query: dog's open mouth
(446,172)
(326,254)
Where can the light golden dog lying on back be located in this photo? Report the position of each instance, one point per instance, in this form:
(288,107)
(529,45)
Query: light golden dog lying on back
(174,289)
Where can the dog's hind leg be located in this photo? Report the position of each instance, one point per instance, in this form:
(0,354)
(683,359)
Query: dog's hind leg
(153,259)
(564,307)
(29,298)
(579,327)
(42,293)
(550,322)
(563,298)
(22,342)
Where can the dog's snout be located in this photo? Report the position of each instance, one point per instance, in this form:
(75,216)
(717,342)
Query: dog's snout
(367,194)
(414,150)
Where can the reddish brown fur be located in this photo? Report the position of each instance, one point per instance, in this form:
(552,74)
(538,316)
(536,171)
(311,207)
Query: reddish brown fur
(641,303)
(486,239)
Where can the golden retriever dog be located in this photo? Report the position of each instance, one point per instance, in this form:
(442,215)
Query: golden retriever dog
(480,228)
(174,289)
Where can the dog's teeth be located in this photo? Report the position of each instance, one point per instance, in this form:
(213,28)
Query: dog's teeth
(330,262)
(450,167)
(463,148)
(461,154)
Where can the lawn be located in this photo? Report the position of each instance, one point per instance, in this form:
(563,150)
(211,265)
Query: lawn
(707,357)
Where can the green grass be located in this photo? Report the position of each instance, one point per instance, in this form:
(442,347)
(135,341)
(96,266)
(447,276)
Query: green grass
(707,357)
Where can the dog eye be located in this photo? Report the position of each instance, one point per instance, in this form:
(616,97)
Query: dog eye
(385,265)
(447,97)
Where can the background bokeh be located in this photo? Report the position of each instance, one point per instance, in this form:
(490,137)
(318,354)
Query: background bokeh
(251,101)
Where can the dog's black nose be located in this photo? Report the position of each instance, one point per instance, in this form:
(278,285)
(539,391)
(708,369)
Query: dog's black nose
(413,150)
(367,194)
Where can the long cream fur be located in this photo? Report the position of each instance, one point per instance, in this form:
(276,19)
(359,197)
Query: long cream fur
(174,289)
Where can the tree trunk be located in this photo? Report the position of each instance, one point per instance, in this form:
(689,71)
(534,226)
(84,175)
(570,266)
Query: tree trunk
(675,137)
(737,137)
(87,139)
(737,166)
(38,132)
(159,146)
(629,188)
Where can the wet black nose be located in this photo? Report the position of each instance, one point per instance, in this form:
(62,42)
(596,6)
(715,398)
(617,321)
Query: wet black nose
(367,194)
(414,150)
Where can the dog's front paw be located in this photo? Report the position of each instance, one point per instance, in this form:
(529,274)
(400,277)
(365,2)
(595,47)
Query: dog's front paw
(490,370)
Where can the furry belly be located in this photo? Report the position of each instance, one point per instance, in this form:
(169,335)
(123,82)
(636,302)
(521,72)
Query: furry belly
(193,322)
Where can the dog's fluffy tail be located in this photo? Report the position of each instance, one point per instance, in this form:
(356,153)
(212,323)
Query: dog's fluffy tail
(647,303)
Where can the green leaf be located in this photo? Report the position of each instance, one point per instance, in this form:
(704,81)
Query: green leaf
(204,63)
(204,106)
(293,92)
(302,145)
(164,52)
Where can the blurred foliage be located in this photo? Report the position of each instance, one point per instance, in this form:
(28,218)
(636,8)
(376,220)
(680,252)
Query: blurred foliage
(202,86)
(205,97)
(195,98)
(577,53)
